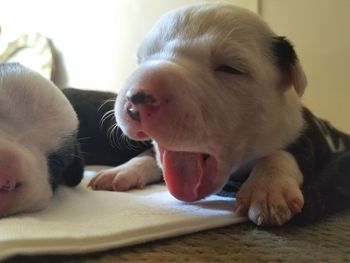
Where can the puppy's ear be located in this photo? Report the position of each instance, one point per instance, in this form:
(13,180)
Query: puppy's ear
(289,65)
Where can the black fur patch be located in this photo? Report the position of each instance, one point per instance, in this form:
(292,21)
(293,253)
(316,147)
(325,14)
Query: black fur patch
(94,134)
(284,52)
(66,165)
(326,186)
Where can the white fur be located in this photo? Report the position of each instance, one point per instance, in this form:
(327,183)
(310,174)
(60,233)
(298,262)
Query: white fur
(35,118)
(237,119)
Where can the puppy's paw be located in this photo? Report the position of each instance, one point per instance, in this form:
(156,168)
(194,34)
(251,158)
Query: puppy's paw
(117,179)
(271,195)
(274,203)
(136,173)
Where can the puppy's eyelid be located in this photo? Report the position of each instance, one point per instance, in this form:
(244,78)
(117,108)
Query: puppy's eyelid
(228,69)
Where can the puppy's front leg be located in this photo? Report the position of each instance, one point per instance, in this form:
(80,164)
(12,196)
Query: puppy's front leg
(271,195)
(136,173)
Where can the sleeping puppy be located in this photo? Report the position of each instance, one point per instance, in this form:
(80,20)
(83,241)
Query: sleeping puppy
(38,144)
(42,143)
(219,94)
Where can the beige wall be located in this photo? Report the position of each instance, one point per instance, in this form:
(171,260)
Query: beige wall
(320,31)
(96,38)
(98,42)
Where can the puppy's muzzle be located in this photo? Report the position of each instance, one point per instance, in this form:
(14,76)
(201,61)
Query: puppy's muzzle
(138,100)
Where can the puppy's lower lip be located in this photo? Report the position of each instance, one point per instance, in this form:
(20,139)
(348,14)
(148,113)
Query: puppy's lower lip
(142,135)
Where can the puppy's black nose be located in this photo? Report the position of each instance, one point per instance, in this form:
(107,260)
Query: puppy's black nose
(140,98)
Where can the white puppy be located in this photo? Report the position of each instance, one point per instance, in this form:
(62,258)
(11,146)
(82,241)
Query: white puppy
(219,94)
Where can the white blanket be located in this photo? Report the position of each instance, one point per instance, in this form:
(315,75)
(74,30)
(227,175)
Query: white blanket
(80,220)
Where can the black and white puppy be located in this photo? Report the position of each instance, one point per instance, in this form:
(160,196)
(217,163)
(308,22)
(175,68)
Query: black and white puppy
(219,92)
(38,144)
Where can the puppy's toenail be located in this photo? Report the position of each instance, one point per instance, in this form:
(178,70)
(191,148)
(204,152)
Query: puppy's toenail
(260,220)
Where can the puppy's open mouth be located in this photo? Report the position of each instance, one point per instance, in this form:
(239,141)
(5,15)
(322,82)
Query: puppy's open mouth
(189,176)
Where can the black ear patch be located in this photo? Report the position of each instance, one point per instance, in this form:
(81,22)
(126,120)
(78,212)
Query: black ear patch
(284,53)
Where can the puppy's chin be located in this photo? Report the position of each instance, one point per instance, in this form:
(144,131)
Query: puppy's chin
(13,202)
(24,181)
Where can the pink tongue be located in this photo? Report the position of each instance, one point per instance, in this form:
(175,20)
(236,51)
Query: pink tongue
(188,176)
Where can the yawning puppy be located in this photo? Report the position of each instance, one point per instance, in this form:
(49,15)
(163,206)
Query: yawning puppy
(219,94)
(38,144)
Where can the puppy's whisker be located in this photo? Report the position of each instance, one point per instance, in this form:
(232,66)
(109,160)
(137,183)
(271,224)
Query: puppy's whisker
(115,139)
(121,140)
(111,133)
(104,104)
(108,115)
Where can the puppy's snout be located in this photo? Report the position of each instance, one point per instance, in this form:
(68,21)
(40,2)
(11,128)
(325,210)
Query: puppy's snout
(140,101)
(149,90)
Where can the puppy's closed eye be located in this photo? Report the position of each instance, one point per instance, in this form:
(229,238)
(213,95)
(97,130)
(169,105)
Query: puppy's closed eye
(228,69)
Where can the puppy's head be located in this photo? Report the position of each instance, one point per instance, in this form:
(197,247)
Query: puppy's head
(215,89)
(36,121)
